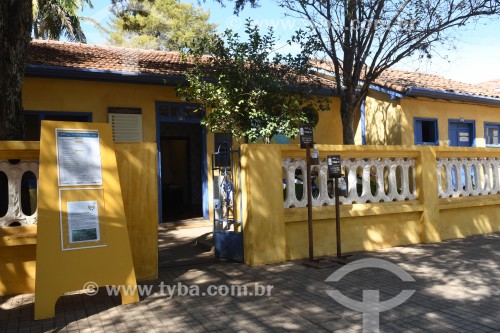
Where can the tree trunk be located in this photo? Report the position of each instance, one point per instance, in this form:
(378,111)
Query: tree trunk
(347,115)
(15,35)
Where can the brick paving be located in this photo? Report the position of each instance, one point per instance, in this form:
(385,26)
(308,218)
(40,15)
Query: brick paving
(457,290)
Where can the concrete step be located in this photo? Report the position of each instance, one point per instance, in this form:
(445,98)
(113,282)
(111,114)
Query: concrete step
(206,242)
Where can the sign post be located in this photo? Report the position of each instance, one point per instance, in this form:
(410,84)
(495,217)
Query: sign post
(307,141)
(335,172)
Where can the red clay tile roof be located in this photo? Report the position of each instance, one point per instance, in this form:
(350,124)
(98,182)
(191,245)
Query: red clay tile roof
(402,81)
(490,85)
(119,59)
(106,58)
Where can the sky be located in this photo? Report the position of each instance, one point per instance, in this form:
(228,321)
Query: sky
(476,57)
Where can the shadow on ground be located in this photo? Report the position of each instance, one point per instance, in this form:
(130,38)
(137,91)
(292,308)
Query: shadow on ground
(181,246)
(457,290)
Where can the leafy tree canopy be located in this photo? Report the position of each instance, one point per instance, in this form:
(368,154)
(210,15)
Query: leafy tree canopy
(249,89)
(159,24)
(53,19)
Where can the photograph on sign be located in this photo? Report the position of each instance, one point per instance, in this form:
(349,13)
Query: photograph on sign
(78,157)
(83,221)
(81,224)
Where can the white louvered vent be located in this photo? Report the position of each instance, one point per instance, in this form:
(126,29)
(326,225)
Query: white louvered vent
(126,127)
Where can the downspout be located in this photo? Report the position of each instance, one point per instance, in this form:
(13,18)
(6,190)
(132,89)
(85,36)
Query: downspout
(363,122)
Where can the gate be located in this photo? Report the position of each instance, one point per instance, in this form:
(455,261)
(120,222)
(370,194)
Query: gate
(228,228)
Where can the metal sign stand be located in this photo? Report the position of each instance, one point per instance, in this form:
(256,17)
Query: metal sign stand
(307,141)
(335,172)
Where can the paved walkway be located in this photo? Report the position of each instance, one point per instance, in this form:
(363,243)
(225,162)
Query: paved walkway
(457,290)
(177,245)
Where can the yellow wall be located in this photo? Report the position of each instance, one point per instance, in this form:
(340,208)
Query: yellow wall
(140,196)
(274,234)
(18,244)
(96,97)
(17,260)
(383,120)
(444,110)
(328,131)
(391,122)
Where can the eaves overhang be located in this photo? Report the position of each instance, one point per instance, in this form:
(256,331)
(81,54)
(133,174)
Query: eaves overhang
(437,94)
(70,73)
(452,96)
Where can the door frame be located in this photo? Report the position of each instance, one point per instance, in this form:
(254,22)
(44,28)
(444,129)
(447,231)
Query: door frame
(204,163)
(472,124)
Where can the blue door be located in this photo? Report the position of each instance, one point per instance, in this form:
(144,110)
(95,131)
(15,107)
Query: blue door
(461,133)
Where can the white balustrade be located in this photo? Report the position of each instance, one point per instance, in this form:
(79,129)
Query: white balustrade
(14,173)
(461,177)
(368,180)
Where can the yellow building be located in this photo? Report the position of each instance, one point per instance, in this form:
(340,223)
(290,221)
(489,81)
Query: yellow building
(135,91)
(408,108)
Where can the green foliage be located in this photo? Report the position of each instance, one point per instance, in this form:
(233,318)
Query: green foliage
(53,19)
(159,24)
(250,90)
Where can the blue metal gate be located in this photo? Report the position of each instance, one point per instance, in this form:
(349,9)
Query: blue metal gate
(228,227)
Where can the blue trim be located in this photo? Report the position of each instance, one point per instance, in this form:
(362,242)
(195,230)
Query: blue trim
(437,94)
(158,154)
(491,125)
(417,131)
(204,176)
(363,122)
(454,96)
(69,73)
(41,114)
(473,134)
(392,93)
(164,119)
(59,72)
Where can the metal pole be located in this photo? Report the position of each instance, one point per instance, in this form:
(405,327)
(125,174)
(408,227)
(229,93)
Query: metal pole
(337,218)
(309,203)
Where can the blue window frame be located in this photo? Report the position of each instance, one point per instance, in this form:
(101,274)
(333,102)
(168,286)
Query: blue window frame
(179,112)
(491,134)
(33,119)
(426,131)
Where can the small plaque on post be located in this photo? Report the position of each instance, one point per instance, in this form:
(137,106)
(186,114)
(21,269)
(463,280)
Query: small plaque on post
(334,166)
(306,136)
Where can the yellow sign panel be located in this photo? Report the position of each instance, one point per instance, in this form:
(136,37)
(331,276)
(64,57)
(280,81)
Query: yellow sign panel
(82,232)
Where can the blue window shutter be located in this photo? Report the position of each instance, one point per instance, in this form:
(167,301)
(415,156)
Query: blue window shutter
(436,133)
(418,131)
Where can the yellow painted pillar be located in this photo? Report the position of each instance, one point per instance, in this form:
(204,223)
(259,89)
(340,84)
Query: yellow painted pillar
(427,193)
(263,212)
